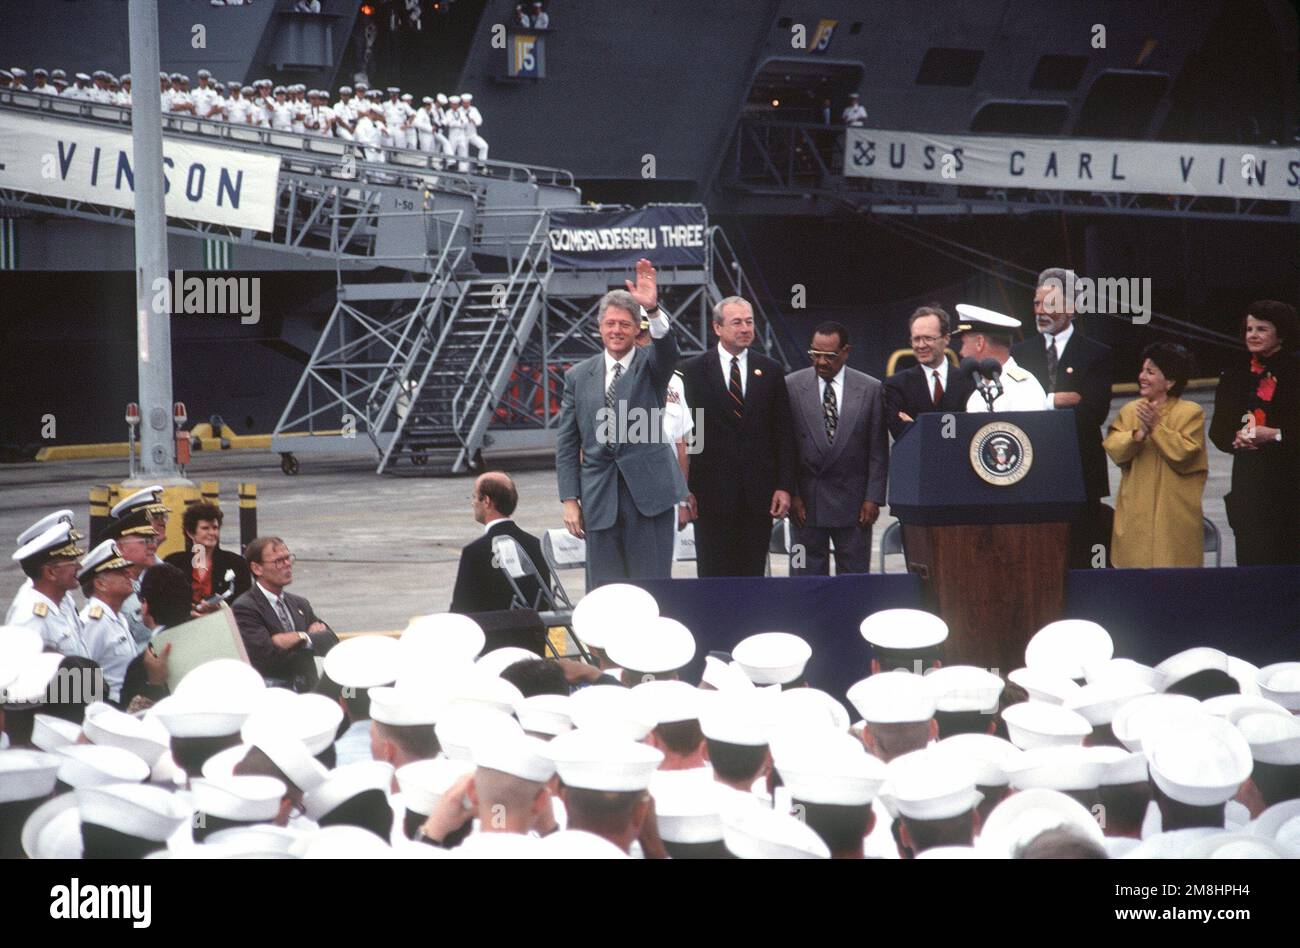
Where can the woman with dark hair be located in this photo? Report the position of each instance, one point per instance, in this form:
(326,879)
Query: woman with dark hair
(214,573)
(1257,421)
(1158,441)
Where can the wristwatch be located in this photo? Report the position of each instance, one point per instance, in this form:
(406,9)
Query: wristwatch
(304,638)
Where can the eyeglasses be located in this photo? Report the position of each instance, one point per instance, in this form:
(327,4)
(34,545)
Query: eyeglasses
(284,561)
(927,340)
(817,355)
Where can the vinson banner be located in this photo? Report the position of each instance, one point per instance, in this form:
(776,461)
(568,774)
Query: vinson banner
(203,182)
(669,235)
(1075,164)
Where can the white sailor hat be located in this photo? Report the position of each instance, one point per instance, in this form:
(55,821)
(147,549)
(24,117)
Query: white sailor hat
(755,832)
(892,698)
(460,726)
(992,758)
(598,761)
(738,717)
(88,765)
(279,90)
(443,639)
(577,844)
(375,95)
(1033,724)
(1229,845)
(498,846)
(1281,821)
(53,830)
(441,99)
(149,498)
(1233,707)
(341,842)
(204,74)
(772,658)
(467,97)
(1273,738)
(979,319)
(31,682)
(1134,718)
(515,754)
(102,559)
(808,709)
(343,783)
(6,75)
(255,839)
(614,711)
(49,732)
(499,659)
(1200,761)
(1118,766)
(197,715)
(1069,646)
(345,90)
(1280,682)
(723,676)
(27,774)
(392,89)
(406,96)
(830,768)
(312,718)
(298,87)
(454,100)
(669,702)
(234,682)
(1245,674)
(17,646)
(1022,817)
(40,526)
(903,629)
(58,74)
(1043,686)
(80,77)
(244,90)
(547,714)
(39,71)
(1100,702)
(364,661)
(57,542)
(653,644)
(606,609)
(423,782)
(1057,768)
(137,810)
(960,688)
(246,799)
(288,754)
(1123,669)
(1189,662)
(479,689)
(406,706)
(164,75)
(426,100)
(688,808)
(108,727)
(926,785)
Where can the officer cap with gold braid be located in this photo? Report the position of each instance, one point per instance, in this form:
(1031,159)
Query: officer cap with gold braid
(101,559)
(58,542)
(133,523)
(40,526)
(149,500)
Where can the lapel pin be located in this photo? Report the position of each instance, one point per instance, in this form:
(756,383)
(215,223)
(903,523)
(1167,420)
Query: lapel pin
(1069,370)
(758,371)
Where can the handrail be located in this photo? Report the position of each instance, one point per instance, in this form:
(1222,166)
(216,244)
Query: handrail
(722,255)
(117,114)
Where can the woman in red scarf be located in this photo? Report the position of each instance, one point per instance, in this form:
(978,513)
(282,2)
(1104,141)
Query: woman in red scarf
(1257,421)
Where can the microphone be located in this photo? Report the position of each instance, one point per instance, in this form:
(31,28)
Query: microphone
(968,367)
(990,368)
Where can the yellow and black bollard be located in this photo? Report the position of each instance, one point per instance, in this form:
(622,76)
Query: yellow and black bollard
(247,514)
(98,512)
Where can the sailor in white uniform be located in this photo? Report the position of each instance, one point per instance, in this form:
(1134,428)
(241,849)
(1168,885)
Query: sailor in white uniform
(345,114)
(987,335)
(473,121)
(108,639)
(45,604)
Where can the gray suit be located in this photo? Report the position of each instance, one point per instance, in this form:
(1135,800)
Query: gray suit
(833,479)
(628,481)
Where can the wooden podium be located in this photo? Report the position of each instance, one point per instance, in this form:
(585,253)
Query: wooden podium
(985,501)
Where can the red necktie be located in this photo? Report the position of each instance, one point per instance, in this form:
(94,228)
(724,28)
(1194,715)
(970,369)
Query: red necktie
(938,388)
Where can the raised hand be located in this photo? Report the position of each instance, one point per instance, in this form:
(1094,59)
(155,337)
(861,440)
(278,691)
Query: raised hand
(646,289)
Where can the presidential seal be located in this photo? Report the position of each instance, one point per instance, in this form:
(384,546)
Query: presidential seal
(1001,453)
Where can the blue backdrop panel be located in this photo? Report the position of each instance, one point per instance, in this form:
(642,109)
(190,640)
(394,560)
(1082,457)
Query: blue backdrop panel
(1252,612)
(824,610)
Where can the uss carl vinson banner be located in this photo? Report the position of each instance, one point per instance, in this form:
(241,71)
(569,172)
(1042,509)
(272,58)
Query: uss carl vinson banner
(670,235)
(204,182)
(1075,164)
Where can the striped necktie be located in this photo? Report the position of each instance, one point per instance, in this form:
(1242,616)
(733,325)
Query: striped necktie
(733,388)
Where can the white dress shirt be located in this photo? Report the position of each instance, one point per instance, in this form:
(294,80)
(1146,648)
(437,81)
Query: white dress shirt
(942,369)
(658,329)
(274,599)
(725,358)
(837,384)
(492,523)
(1062,338)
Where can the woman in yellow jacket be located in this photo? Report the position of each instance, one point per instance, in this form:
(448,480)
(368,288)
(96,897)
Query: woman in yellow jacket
(1158,441)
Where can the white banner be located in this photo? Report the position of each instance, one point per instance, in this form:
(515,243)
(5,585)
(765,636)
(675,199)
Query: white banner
(1075,164)
(211,183)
